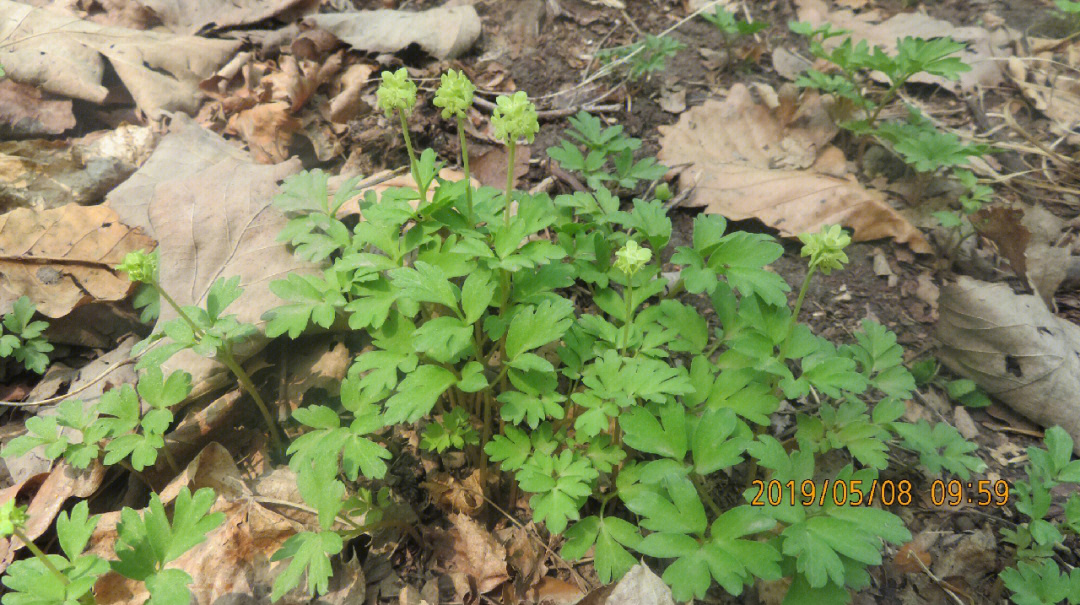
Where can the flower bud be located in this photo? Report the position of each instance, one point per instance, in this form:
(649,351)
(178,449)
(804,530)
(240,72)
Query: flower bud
(396,92)
(826,249)
(11,517)
(455,94)
(631,258)
(140,266)
(515,118)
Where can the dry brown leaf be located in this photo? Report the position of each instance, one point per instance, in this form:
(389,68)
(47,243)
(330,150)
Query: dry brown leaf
(193,16)
(553,591)
(63,258)
(470,549)
(346,104)
(456,496)
(161,71)
(1051,87)
(37,173)
(908,556)
(52,493)
(985,49)
(745,163)
(443,32)
(527,559)
(25,113)
(315,365)
(268,129)
(209,206)
(640,586)
(1005,228)
(298,80)
(488,165)
(234,558)
(1015,349)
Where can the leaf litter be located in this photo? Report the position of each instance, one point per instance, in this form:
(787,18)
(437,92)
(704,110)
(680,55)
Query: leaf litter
(745,159)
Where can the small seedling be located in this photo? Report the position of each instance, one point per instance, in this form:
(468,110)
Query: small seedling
(731,29)
(145,545)
(21,338)
(207,331)
(1037,577)
(603,155)
(644,57)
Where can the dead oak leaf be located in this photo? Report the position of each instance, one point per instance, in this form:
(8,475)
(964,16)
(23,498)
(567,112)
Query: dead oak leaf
(268,129)
(470,549)
(745,162)
(209,206)
(64,257)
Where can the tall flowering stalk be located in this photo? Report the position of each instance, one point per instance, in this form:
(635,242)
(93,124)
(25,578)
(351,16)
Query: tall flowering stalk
(455,97)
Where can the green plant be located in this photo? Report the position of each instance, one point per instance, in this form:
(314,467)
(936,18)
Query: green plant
(145,545)
(206,331)
(961,390)
(116,419)
(22,340)
(644,57)
(1070,10)
(924,148)
(603,155)
(855,61)
(622,415)
(732,30)
(1037,578)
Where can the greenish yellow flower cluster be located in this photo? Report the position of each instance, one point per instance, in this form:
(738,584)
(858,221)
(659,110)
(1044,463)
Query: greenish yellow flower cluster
(826,248)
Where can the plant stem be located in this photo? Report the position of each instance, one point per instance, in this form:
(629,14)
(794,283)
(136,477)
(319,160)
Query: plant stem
(179,311)
(230,362)
(465,167)
(412,155)
(629,313)
(249,386)
(41,556)
(511,152)
(705,495)
(795,312)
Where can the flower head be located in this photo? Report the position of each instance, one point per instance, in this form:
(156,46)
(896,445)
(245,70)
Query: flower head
(632,257)
(826,248)
(455,94)
(515,118)
(11,517)
(396,92)
(140,266)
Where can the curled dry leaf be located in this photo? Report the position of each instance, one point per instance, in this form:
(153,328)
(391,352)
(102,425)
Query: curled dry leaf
(67,57)
(909,556)
(346,104)
(1005,228)
(457,496)
(193,16)
(445,32)
(1015,349)
(1051,86)
(63,258)
(746,162)
(268,129)
(43,173)
(470,549)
